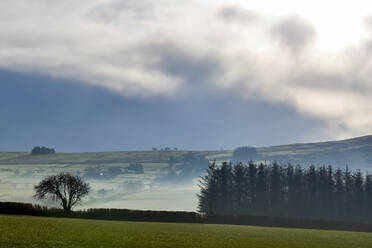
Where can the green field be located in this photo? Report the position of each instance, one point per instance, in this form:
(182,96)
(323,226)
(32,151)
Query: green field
(27,232)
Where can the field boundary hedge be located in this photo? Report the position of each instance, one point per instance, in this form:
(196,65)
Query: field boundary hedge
(16,208)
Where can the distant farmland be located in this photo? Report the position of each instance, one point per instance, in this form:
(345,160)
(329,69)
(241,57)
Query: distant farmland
(22,232)
(19,171)
(356,152)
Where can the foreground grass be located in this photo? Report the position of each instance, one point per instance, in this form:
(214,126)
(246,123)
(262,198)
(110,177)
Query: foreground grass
(20,231)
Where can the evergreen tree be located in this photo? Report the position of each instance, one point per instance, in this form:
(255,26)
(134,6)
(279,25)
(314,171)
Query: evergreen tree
(322,192)
(339,195)
(316,192)
(348,191)
(252,174)
(208,190)
(311,192)
(290,190)
(298,184)
(368,197)
(224,182)
(275,190)
(358,195)
(330,188)
(262,203)
(239,188)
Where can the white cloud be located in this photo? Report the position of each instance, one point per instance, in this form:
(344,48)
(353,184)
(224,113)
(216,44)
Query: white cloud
(149,48)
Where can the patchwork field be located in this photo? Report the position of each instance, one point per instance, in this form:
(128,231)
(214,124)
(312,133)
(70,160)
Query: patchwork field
(25,232)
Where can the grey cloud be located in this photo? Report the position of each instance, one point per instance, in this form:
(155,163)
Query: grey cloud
(150,48)
(236,13)
(112,10)
(294,32)
(176,61)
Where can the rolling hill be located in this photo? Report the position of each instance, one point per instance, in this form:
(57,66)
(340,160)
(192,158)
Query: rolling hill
(355,152)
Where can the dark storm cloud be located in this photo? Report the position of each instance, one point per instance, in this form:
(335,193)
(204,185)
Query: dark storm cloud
(38,110)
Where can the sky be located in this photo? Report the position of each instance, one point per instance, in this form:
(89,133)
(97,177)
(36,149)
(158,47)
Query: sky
(103,75)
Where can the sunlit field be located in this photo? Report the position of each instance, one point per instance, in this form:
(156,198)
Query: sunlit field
(20,231)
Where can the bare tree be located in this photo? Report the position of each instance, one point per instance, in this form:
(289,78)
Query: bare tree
(64,188)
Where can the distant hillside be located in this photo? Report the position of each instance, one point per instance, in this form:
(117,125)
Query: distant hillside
(356,153)
(98,157)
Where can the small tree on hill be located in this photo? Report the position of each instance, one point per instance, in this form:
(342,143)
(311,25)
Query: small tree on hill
(64,188)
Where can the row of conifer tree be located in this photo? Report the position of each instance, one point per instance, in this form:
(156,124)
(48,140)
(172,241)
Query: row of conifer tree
(319,192)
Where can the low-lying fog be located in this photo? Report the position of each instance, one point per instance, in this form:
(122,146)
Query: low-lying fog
(131,193)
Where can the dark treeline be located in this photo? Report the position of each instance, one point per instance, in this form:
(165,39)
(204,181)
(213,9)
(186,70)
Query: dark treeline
(37,150)
(14,208)
(245,154)
(283,190)
(19,208)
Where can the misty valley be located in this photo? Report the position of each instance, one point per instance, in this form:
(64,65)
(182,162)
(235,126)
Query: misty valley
(164,179)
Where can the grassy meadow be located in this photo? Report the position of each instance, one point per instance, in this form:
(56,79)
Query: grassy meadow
(26,232)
